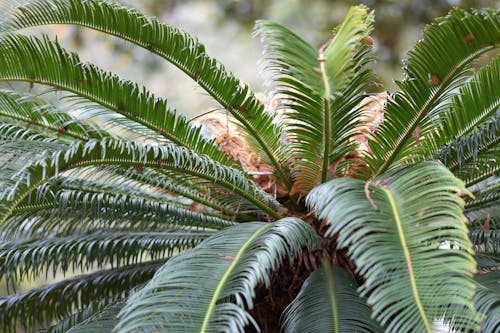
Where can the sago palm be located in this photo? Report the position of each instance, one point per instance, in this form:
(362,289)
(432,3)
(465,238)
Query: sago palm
(326,210)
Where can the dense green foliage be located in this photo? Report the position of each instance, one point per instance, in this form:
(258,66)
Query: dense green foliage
(367,213)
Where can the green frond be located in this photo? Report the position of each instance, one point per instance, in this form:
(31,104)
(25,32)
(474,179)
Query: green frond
(487,262)
(33,112)
(165,186)
(23,259)
(472,153)
(235,261)
(91,319)
(328,302)
(486,195)
(176,47)
(196,189)
(477,102)
(486,201)
(102,322)
(39,307)
(43,61)
(43,224)
(487,300)
(72,202)
(199,190)
(62,326)
(342,55)
(110,151)
(394,230)
(321,91)
(12,133)
(435,68)
(485,235)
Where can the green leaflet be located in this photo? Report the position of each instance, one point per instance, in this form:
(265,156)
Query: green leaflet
(328,302)
(175,46)
(235,260)
(321,91)
(487,300)
(31,258)
(102,322)
(32,112)
(42,61)
(395,230)
(60,299)
(435,68)
(110,151)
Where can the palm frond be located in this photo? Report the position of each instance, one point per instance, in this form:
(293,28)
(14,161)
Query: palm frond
(66,200)
(62,326)
(487,262)
(102,322)
(196,189)
(433,71)
(395,229)
(110,151)
(474,156)
(478,102)
(321,91)
(176,47)
(328,302)
(33,112)
(485,235)
(13,133)
(43,61)
(236,260)
(166,186)
(486,201)
(488,194)
(20,259)
(487,300)
(39,307)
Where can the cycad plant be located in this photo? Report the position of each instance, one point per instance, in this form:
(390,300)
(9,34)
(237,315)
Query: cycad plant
(327,210)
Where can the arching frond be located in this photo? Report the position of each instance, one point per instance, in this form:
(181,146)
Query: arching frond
(328,302)
(32,112)
(173,45)
(167,186)
(34,257)
(486,202)
(43,61)
(321,91)
(110,151)
(102,322)
(486,195)
(433,71)
(197,189)
(394,230)
(67,204)
(62,326)
(487,300)
(474,155)
(13,133)
(39,307)
(487,262)
(235,261)
(477,102)
(485,235)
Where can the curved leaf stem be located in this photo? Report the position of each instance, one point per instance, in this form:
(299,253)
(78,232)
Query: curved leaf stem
(332,293)
(408,259)
(227,274)
(326,119)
